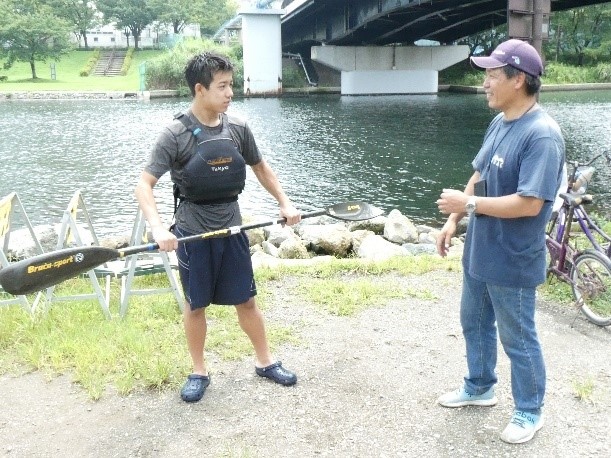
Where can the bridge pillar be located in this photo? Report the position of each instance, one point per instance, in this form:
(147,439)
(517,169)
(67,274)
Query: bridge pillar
(389,69)
(262,47)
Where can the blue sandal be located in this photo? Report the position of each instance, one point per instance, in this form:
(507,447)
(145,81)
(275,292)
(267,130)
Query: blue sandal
(194,388)
(277,373)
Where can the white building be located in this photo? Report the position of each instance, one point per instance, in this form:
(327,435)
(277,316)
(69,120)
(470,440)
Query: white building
(154,36)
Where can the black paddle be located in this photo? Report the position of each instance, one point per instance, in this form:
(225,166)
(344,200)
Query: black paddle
(48,269)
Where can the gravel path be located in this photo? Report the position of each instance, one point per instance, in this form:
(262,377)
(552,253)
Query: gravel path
(367,388)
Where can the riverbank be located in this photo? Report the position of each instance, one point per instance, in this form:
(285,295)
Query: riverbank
(544,88)
(367,386)
(290,92)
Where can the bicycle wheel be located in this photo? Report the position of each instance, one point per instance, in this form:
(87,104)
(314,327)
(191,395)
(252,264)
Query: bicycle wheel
(591,282)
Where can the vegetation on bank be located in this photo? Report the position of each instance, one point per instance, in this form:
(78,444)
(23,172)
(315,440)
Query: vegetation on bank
(146,349)
(68,74)
(578,45)
(164,70)
(555,73)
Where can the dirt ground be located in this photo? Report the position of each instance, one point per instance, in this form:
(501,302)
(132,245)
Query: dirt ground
(367,387)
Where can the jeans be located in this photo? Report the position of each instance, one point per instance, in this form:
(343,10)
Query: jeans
(513,309)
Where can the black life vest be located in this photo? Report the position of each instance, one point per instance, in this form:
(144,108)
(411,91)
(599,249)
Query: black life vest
(216,171)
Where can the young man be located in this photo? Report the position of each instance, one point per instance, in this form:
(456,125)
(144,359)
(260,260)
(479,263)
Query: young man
(509,200)
(206,152)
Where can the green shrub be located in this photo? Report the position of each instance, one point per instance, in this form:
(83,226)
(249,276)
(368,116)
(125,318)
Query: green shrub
(462,74)
(603,73)
(293,76)
(555,73)
(127,62)
(90,64)
(558,73)
(167,71)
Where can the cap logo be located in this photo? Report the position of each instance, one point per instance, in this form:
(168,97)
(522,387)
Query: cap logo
(516,60)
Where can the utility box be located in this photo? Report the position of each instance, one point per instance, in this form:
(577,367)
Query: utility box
(262,45)
(528,19)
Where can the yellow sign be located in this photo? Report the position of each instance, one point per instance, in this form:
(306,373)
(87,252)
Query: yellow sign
(5,214)
(73,207)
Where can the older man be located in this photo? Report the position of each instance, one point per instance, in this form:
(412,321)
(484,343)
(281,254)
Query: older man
(509,200)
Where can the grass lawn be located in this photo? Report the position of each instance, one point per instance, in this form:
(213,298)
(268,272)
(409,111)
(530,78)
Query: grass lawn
(147,350)
(67,75)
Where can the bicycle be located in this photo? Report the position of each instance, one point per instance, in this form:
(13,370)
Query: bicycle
(587,270)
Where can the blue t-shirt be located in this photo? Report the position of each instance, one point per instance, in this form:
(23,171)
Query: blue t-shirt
(523,156)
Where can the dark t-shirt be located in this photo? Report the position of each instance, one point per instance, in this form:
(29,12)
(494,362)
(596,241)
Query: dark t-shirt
(524,156)
(173,148)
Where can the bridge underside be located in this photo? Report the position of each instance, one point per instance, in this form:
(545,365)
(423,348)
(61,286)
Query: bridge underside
(382,22)
(389,69)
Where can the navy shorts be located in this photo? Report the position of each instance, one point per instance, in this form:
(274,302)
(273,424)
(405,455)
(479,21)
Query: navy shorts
(216,270)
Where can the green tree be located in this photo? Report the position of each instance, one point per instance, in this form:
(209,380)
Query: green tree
(81,13)
(31,32)
(130,15)
(214,13)
(179,13)
(484,42)
(581,32)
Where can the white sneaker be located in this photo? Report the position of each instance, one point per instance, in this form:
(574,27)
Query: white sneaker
(522,427)
(460,398)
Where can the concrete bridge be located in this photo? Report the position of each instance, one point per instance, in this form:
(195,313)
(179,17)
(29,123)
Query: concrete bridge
(371,42)
(308,23)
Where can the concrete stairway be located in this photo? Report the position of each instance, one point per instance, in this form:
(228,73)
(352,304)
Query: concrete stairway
(110,63)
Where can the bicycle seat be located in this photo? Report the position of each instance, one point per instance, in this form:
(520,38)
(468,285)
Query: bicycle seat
(573,200)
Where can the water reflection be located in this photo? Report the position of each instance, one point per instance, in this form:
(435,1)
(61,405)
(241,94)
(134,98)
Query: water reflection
(392,151)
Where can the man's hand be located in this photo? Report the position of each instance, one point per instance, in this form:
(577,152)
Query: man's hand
(164,238)
(452,201)
(292,215)
(444,238)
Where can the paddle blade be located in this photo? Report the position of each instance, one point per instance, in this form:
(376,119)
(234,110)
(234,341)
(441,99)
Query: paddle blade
(48,269)
(353,211)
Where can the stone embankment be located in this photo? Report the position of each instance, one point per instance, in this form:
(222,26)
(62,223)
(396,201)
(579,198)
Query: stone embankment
(169,93)
(68,95)
(376,239)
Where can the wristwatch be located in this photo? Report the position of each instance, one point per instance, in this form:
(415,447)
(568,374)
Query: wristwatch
(471,205)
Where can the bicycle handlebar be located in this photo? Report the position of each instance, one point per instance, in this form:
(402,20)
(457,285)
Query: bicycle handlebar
(576,165)
(607,155)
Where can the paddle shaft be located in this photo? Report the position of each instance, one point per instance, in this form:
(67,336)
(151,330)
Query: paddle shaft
(212,234)
(47,269)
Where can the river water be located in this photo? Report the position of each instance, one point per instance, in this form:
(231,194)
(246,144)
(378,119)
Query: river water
(391,151)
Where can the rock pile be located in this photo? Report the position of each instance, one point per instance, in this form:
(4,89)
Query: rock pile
(376,239)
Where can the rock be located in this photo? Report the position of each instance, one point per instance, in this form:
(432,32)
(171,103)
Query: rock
(22,245)
(376,248)
(420,248)
(358,236)
(428,237)
(256,249)
(375,225)
(277,234)
(255,236)
(293,248)
(332,239)
(270,249)
(115,242)
(399,229)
